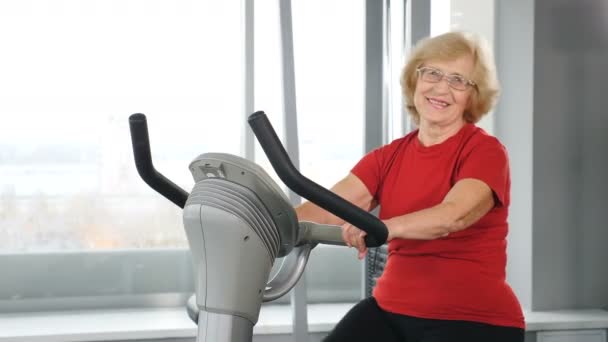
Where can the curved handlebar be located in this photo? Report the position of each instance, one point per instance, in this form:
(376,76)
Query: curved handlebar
(145,168)
(376,229)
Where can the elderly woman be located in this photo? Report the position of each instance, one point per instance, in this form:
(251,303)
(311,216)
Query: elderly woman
(443,192)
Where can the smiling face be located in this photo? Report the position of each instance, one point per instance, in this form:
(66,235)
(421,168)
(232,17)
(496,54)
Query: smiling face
(439,104)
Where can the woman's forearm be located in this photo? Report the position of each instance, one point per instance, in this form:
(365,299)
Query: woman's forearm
(309,211)
(467,202)
(426,224)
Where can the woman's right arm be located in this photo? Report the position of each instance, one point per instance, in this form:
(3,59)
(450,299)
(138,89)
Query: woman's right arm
(351,188)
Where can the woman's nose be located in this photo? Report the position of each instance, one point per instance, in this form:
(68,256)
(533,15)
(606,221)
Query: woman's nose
(442,85)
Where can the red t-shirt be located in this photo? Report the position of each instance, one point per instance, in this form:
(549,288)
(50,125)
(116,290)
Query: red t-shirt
(462,276)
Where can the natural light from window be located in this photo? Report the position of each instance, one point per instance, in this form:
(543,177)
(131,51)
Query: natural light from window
(73,71)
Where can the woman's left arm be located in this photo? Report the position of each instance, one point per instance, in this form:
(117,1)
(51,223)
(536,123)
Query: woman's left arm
(468,201)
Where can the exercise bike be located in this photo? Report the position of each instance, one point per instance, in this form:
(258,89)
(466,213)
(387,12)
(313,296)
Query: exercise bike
(238,221)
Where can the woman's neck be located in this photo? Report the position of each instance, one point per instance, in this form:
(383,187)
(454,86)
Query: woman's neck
(432,134)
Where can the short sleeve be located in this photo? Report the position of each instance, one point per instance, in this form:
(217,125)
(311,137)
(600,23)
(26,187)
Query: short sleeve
(489,163)
(368,170)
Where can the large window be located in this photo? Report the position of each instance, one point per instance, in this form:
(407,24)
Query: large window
(72,206)
(78,227)
(72,73)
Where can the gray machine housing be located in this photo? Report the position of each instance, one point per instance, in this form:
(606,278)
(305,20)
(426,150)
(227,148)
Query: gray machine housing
(238,221)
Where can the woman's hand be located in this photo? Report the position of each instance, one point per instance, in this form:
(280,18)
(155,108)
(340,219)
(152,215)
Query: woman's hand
(354,237)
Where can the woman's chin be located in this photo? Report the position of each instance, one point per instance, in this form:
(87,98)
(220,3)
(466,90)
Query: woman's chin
(438,119)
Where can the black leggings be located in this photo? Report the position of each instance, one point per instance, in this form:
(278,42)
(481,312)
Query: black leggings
(366,321)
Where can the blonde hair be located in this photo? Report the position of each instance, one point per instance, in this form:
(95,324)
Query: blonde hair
(447,47)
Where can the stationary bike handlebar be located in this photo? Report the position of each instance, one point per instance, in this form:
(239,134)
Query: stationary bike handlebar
(143,161)
(377,232)
(271,144)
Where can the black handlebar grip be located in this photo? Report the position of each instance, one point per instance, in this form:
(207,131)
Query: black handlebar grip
(145,168)
(377,232)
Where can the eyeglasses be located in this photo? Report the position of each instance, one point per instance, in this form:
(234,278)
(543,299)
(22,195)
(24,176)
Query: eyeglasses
(455,81)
